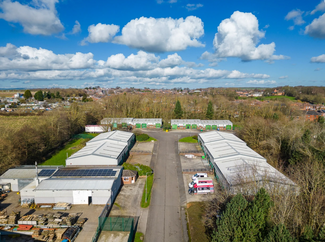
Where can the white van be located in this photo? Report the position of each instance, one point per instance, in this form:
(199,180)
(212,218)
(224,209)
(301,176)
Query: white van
(201,182)
(197,175)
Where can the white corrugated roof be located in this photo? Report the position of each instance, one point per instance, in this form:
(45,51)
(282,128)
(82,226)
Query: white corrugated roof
(222,150)
(185,121)
(108,148)
(147,120)
(216,122)
(116,120)
(117,135)
(241,170)
(75,184)
(213,136)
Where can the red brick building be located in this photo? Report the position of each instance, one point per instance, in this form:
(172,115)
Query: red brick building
(129,176)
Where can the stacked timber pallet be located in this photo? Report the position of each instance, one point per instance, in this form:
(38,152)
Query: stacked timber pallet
(3,217)
(62,206)
(13,217)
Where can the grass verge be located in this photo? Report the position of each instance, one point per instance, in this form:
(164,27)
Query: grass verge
(191,139)
(77,143)
(145,204)
(141,169)
(149,140)
(138,237)
(196,225)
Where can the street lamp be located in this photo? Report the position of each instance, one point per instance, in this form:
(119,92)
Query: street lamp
(147,185)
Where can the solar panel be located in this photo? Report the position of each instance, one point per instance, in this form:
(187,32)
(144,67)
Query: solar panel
(48,172)
(85,172)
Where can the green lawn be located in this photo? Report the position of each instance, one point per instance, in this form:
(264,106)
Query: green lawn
(141,169)
(196,225)
(138,236)
(188,140)
(75,144)
(149,140)
(145,204)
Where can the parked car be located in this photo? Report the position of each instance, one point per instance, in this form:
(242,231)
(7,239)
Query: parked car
(197,175)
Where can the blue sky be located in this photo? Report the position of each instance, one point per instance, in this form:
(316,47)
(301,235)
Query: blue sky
(161,43)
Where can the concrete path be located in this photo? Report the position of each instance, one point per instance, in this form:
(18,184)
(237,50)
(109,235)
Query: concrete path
(166,216)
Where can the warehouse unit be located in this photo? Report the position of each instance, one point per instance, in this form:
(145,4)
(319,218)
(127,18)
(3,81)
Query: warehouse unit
(149,123)
(237,167)
(214,136)
(119,136)
(221,150)
(215,125)
(21,176)
(75,186)
(185,123)
(107,152)
(125,122)
(240,175)
(94,129)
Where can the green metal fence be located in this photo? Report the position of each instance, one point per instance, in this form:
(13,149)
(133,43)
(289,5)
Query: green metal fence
(118,224)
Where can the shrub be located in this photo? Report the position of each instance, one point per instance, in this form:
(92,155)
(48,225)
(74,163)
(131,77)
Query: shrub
(194,137)
(142,137)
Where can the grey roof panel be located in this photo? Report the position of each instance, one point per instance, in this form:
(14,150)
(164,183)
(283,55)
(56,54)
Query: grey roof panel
(75,184)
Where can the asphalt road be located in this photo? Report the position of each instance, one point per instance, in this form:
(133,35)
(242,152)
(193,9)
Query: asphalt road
(166,219)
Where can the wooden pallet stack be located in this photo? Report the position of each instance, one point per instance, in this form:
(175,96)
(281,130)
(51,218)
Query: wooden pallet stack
(13,217)
(3,217)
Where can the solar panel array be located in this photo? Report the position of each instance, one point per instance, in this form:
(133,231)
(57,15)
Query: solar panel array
(47,172)
(85,172)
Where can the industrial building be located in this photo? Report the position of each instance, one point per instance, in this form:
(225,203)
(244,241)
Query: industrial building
(185,123)
(147,123)
(237,167)
(75,186)
(110,148)
(201,124)
(109,152)
(125,122)
(215,125)
(21,176)
(120,136)
(95,129)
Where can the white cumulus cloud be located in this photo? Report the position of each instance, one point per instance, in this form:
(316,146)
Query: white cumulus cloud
(30,59)
(317,28)
(192,6)
(283,77)
(239,35)
(260,82)
(318,59)
(38,19)
(76,28)
(162,34)
(101,33)
(296,16)
(320,7)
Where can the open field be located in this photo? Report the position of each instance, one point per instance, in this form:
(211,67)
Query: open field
(196,227)
(14,123)
(69,149)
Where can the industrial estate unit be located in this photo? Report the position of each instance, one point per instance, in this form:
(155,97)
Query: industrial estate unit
(201,124)
(91,175)
(239,168)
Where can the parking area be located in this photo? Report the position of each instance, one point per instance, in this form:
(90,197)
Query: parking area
(199,197)
(127,202)
(139,159)
(193,163)
(141,153)
(113,236)
(189,148)
(91,213)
